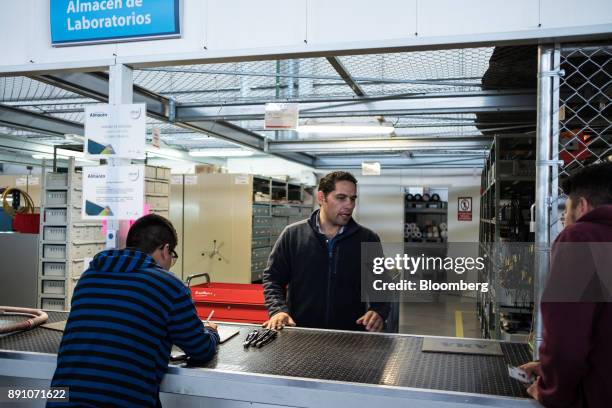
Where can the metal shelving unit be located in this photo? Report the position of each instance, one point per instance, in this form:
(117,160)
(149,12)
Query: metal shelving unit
(429,218)
(65,240)
(286,206)
(507,192)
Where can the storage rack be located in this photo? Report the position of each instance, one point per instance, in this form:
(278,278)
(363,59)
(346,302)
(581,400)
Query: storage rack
(65,240)
(429,216)
(507,193)
(276,204)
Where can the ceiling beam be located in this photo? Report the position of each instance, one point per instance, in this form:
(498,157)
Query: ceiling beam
(95,85)
(21,145)
(400,162)
(21,160)
(466,102)
(345,75)
(389,144)
(31,121)
(39,123)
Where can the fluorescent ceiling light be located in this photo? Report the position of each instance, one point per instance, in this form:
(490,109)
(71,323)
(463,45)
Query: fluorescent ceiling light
(223,152)
(341,129)
(80,159)
(70,153)
(42,156)
(164,152)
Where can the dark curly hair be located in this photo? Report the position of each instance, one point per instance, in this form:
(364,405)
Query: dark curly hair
(328,183)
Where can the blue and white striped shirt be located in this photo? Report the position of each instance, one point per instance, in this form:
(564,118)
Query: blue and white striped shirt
(126,313)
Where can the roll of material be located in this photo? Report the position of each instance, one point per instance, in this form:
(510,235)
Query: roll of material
(435,197)
(409,197)
(435,232)
(418,197)
(426,197)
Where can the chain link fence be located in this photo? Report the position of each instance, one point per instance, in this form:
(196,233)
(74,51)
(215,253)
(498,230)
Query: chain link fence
(582,126)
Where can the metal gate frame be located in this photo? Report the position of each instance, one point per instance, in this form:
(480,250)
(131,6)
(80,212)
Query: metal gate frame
(574,90)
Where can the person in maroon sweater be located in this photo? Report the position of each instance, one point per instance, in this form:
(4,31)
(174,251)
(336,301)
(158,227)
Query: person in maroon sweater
(576,352)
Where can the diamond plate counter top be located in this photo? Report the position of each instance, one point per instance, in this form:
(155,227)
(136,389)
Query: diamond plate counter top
(376,359)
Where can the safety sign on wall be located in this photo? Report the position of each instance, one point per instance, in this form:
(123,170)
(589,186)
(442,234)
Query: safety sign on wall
(115,131)
(464,209)
(76,22)
(113,192)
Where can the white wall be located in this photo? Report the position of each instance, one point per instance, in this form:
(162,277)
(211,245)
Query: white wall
(222,29)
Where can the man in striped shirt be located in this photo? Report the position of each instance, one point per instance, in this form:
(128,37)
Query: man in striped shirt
(127,310)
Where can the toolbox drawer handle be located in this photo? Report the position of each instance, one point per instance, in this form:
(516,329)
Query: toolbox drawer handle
(198,275)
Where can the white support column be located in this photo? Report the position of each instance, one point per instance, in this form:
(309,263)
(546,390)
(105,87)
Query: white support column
(121,91)
(121,84)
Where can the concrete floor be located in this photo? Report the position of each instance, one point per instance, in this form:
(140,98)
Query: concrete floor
(445,315)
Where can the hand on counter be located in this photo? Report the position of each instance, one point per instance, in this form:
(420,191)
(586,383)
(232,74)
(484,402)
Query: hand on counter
(278,321)
(211,325)
(534,368)
(372,321)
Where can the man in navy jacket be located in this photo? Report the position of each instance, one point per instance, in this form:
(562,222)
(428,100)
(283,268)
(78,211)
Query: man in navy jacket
(576,353)
(127,310)
(319,262)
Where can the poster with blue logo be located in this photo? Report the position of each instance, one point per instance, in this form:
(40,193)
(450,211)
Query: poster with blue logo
(75,22)
(115,131)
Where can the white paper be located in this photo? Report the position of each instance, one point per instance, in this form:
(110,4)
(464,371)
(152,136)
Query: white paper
(155,137)
(241,179)
(27,181)
(176,179)
(115,131)
(113,192)
(370,169)
(281,116)
(191,179)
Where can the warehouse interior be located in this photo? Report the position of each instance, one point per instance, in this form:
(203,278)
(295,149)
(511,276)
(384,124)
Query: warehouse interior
(443,140)
(438,111)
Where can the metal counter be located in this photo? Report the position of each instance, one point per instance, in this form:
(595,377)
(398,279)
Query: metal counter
(306,367)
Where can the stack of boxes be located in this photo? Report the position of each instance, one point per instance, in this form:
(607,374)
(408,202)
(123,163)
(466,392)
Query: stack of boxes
(157,190)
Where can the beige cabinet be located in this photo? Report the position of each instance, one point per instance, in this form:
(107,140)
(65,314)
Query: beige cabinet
(229,222)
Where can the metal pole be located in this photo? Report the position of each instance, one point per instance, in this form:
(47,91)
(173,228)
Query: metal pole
(555,221)
(121,91)
(543,147)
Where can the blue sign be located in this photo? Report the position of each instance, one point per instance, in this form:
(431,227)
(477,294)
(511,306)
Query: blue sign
(95,21)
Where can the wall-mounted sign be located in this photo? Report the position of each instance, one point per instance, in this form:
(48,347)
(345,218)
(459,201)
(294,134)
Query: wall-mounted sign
(281,116)
(75,22)
(113,192)
(115,131)
(464,209)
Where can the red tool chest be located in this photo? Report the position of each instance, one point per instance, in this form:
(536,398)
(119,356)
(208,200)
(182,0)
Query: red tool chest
(232,302)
